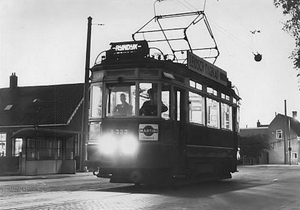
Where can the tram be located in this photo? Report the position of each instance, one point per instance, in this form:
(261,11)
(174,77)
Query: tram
(152,119)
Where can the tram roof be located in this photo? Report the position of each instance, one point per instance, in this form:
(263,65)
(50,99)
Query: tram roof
(137,54)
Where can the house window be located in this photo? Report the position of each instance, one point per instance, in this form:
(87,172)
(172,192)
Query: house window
(295,155)
(31,149)
(278,134)
(70,149)
(18,146)
(8,107)
(44,149)
(2,144)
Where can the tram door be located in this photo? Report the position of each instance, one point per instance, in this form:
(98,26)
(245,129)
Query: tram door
(180,129)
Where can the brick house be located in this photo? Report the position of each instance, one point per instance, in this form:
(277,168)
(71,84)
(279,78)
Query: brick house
(40,128)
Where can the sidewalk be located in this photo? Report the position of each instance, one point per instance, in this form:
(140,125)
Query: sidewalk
(271,165)
(48,176)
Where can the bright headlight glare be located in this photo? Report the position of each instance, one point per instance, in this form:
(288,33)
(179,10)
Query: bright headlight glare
(128,145)
(108,144)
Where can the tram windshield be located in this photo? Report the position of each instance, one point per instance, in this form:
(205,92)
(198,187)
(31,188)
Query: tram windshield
(152,102)
(130,99)
(120,100)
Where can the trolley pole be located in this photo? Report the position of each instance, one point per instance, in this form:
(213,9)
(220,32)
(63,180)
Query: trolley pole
(84,127)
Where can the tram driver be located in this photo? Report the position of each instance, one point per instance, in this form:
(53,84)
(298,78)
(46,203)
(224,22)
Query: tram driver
(149,107)
(124,108)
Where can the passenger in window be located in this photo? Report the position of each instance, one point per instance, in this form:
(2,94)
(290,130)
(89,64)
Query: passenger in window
(149,107)
(124,108)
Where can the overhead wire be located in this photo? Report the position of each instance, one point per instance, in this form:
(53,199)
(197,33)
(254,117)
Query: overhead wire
(231,36)
(250,46)
(192,7)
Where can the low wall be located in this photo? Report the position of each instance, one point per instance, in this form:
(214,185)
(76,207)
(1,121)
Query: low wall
(41,167)
(9,165)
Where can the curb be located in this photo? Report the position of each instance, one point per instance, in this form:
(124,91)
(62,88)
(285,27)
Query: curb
(48,176)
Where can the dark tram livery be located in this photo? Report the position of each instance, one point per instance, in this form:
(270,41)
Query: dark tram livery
(188,131)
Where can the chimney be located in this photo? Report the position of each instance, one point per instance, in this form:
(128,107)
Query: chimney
(258,123)
(13,81)
(294,113)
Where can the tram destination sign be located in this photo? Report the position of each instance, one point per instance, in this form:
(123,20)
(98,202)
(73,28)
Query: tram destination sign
(127,50)
(201,66)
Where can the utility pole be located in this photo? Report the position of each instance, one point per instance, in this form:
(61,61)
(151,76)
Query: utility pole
(85,107)
(285,134)
(289,141)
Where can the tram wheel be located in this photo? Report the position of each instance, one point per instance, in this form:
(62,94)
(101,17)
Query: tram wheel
(136,177)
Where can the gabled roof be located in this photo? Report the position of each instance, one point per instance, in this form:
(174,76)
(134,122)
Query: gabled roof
(294,124)
(39,105)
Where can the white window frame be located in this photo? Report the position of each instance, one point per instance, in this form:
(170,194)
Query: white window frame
(279,134)
(196,108)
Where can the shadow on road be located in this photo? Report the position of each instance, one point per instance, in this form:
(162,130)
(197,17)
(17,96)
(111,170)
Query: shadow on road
(200,189)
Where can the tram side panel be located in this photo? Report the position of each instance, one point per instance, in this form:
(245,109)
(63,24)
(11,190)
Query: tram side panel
(210,152)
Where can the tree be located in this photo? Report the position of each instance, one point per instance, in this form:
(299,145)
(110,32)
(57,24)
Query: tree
(253,146)
(292,26)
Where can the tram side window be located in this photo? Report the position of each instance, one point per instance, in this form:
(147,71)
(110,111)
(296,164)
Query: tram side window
(226,116)
(196,108)
(213,116)
(94,131)
(120,100)
(96,101)
(177,106)
(149,100)
(165,98)
(238,119)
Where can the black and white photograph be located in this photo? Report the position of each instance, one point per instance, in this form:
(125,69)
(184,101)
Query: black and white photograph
(150,104)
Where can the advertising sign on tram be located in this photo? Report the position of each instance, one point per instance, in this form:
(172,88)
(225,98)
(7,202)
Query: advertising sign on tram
(201,66)
(148,132)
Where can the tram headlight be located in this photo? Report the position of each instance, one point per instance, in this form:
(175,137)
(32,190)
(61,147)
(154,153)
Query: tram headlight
(107,144)
(128,145)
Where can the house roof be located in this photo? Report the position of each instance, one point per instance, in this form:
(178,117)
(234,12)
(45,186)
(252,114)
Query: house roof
(294,124)
(253,131)
(39,105)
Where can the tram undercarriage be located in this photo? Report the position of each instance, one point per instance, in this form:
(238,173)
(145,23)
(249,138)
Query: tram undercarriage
(196,170)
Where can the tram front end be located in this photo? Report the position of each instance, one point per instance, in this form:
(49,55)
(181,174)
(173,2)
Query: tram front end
(128,152)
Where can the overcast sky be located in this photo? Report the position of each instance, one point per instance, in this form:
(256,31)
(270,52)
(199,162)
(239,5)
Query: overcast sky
(44,43)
